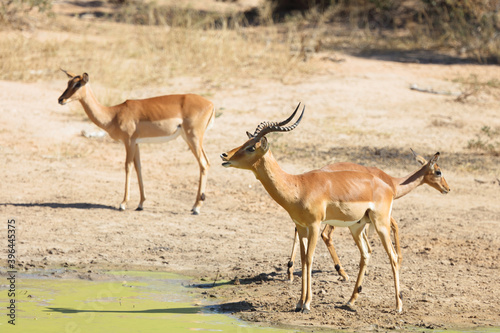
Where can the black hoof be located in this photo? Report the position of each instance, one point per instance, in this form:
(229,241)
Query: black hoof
(139,209)
(193,212)
(298,309)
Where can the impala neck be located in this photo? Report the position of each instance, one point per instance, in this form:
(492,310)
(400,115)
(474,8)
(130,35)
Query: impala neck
(281,186)
(100,115)
(405,185)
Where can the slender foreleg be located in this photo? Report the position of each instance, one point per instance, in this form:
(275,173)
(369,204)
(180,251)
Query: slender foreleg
(292,257)
(312,241)
(302,233)
(327,236)
(130,148)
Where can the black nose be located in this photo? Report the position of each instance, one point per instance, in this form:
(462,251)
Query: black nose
(60,100)
(223,155)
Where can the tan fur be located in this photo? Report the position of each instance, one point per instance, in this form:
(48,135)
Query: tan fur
(322,195)
(411,181)
(147,118)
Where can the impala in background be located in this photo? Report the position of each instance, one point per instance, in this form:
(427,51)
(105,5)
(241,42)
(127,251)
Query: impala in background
(157,119)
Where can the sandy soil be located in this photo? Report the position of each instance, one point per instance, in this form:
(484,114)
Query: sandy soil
(64,190)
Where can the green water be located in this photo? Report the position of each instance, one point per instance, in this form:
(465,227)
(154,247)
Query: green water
(128,302)
(124,302)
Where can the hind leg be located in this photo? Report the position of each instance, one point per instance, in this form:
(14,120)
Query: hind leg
(137,165)
(383,226)
(196,145)
(357,232)
(395,231)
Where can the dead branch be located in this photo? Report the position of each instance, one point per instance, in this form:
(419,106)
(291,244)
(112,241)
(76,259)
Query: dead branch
(432,91)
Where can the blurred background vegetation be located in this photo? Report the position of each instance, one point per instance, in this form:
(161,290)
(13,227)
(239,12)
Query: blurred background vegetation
(128,45)
(469,27)
(273,38)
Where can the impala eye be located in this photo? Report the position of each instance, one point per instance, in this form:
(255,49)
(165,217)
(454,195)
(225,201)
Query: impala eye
(438,173)
(251,149)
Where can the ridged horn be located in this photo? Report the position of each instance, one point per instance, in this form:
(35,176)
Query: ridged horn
(268,127)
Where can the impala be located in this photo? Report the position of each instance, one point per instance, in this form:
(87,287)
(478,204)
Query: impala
(157,119)
(340,198)
(401,186)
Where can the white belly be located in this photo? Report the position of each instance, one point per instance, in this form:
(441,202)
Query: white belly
(159,139)
(337,223)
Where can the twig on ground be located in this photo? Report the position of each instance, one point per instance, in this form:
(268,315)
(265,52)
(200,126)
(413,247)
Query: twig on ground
(216,277)
(432,91)
(496,181)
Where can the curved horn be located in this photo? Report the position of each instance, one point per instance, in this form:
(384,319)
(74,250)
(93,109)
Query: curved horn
(265,124)
(266,127)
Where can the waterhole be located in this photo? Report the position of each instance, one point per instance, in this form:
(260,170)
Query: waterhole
(118,302)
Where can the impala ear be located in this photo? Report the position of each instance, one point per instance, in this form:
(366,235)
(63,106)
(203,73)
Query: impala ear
(264,144)
(70,75)
(85,78)
(418,158)
(434,159)
(249,135)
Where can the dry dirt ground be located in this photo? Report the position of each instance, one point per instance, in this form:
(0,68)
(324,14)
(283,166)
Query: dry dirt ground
(64,190)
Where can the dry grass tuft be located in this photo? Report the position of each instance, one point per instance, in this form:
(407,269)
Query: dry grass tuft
(474,84)
(129,56)
(153,43)
(486,141)
(23,14)
(463,30)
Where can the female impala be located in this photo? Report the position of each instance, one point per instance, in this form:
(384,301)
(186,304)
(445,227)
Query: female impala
(340,198)
(427,174)
(157,119)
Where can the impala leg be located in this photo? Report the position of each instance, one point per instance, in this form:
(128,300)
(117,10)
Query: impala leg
(137,165)
(395,231)
(384,232)
(310,233)
(204,165)
(312,241)
(129,159)
(196,146)
(327,236)
(367,231)
(292,257)
(357,231)
(365,236)
(302,234)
